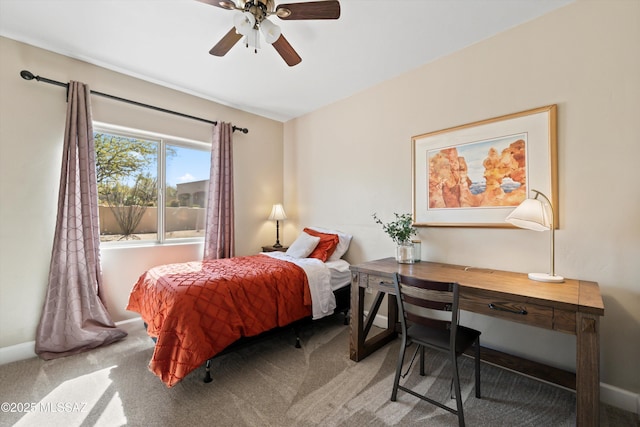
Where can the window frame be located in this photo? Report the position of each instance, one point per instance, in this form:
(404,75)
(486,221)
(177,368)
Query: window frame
(162,140)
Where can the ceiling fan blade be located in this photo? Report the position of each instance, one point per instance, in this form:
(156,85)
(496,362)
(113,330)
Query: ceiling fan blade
(287,52)
(224,4)
(329,9)
(226,43)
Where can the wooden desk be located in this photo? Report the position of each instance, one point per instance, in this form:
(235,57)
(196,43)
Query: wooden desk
(572,307)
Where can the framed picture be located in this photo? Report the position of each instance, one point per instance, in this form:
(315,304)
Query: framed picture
(474,175)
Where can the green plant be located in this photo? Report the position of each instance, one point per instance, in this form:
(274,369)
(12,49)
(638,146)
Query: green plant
(399,230)
(129,203)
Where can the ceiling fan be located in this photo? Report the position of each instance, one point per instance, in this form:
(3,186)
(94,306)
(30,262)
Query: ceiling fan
(253,20)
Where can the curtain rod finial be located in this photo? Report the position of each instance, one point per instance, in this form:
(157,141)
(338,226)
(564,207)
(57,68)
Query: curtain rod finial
(243,130)
(27,75)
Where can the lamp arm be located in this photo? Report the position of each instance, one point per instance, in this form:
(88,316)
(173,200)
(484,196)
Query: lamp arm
(538,193)
(553,244)
(552,227)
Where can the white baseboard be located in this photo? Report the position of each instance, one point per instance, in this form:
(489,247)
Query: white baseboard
(137,319)
(27,350)
(620,398)
(380,321)
(17,352)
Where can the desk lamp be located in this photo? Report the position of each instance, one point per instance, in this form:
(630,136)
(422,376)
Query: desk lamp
(533,214)
(277,214)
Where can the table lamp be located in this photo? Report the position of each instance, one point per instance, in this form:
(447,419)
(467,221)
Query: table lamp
(533,214)
(277,214)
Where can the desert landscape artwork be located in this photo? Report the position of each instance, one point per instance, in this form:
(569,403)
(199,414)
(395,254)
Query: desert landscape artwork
(482,174)
(475,174)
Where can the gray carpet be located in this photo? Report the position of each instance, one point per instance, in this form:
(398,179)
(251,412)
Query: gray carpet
(271,383)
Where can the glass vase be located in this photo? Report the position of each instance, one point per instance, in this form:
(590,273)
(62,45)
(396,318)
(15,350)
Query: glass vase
(417,245)
(405,253)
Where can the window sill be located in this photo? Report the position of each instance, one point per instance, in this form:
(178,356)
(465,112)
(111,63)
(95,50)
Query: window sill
(149,243)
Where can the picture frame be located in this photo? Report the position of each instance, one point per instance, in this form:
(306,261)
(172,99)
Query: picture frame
(474,175)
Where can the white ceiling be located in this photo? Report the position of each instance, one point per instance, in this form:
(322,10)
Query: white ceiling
(167,42)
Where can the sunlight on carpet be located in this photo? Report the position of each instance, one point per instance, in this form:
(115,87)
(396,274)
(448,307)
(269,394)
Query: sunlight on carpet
(73,400)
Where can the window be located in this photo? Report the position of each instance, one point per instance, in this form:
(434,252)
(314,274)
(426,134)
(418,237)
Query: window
(150,187)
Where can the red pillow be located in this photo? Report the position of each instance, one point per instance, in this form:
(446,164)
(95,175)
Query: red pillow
(326,246)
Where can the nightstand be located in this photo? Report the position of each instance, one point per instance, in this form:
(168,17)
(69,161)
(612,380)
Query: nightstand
(270,248)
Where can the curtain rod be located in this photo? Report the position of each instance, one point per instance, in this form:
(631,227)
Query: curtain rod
(28,75)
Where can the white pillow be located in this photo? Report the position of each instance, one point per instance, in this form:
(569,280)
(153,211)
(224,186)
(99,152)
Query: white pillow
(303,245)
(344,240)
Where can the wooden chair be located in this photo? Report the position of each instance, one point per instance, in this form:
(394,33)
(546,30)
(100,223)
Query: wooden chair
(421,302)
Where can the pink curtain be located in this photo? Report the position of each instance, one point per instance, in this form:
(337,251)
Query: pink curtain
(74,319)
(219,230)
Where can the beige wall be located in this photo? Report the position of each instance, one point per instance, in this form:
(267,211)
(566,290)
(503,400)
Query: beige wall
(353,158)
(32,117)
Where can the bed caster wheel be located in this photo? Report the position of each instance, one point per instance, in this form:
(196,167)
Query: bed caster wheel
(298,343)
(346,318)
(207,372)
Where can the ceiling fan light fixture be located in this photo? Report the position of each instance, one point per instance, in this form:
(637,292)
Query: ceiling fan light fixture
(270,31)
(244,23)
(252,20)
(252,40)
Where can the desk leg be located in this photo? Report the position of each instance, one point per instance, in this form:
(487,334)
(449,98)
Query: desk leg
(392,312)
(360,346)
(588,370)
(356,336)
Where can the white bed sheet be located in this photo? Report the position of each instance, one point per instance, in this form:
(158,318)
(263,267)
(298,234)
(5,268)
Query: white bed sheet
(323,301)
(340,273)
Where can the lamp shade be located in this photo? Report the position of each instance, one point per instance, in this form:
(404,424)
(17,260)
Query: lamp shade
(277,213)
(270,31)
(244,23)
(535,214)
(531,214)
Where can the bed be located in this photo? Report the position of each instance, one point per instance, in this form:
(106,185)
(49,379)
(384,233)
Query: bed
(196,310)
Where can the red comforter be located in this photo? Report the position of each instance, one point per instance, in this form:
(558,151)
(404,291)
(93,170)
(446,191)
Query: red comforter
(197,309)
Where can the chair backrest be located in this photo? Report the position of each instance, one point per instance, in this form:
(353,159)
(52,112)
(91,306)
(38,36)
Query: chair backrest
(423,301)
